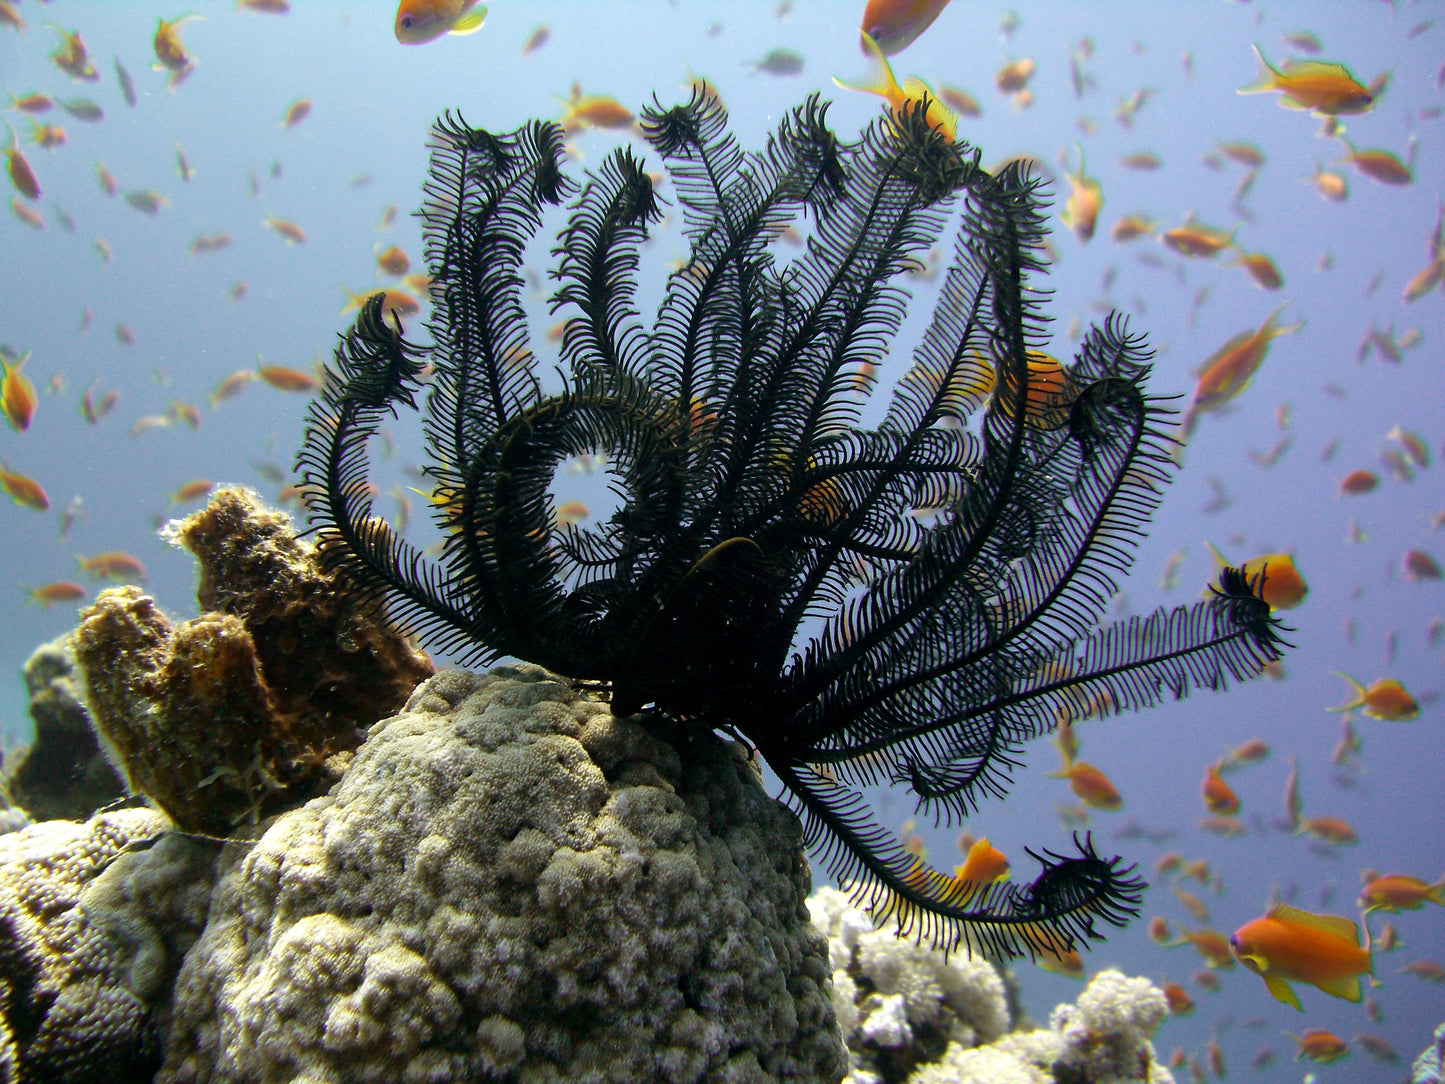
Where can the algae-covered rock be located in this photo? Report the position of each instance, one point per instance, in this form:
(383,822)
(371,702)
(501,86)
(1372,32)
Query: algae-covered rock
(61,774)
(509,883)
(255,704)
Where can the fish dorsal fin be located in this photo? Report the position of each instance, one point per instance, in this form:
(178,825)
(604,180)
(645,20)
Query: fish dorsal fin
(1283,991)
(1334,925)
(1314,69)
(1345,986)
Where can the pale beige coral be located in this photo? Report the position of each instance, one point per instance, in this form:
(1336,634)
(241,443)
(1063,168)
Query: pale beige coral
(67,1011)
(906,1012)
(510,883)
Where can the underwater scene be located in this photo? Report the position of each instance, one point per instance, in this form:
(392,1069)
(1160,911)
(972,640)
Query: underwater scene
(1176,298)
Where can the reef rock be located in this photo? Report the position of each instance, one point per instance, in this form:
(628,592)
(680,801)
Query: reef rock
(509,883)
(910,1014)
(256,704)
(61,774)
(77,1001)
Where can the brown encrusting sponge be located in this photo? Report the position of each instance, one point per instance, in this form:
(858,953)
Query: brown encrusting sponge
(240,711)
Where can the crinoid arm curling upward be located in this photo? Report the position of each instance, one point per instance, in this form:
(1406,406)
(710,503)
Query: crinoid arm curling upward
(755,507)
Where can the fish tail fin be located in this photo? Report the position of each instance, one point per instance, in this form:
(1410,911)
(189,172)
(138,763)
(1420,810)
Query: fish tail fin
(1359,691)
(1267,79)
(1436,893)
(879,79)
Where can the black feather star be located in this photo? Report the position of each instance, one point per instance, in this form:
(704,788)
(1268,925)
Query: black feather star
(756,510)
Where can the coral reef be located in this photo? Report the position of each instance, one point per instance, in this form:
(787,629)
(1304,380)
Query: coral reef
(510,882)
(256,703)
(61,774)
(1429,1067)
(74,1007)
(910,1013)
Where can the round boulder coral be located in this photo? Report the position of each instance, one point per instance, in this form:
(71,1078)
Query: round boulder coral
(509,883)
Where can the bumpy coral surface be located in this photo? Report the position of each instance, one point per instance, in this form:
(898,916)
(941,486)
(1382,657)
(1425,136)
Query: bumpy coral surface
(234,714)
(62,774)
(908,1014)
(69,1011)
(510,883)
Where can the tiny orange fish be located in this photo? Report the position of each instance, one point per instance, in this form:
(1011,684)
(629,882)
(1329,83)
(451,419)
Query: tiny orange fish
(593,111)
(72,57)
(1384,699)
(1357,482)
(1217,794)
(286,379)
(1081,209)
(112,565)
(1331,830)
(1319,1046)
(1398,892)
(23,490)
(1229,370)
(17,393)
(49,594)
(1378,165)
(296,112)
(393,261)
(1426,970)
(169,49)
(21,175)
(983,864)
(1210,944)
(292,233)
(1260,268)
(1091,786)
(1325,88)
(1180,1003)
(1192,239)
(192,491)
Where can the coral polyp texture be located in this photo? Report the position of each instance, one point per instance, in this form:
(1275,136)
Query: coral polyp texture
(226,717)
(511,883)
(909,603)
(909,1012)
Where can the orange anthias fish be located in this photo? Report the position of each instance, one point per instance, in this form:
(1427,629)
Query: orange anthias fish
(21,175)
(895,24)
(17,394)
(1289,945)
(171,52)
(1327,89)
(982,865)
(1320,1046)
(1383,699)
(73,58)
(1092,786)
(881,81)
(1218,796)
(49,594)
(1230,369)
(394,303)
(22,490)
(1282,586)
(112,565)
(593,111)
(421,21)
(1212,945)
(1081,209)
(283,378)
(1378,165)
(1397,892)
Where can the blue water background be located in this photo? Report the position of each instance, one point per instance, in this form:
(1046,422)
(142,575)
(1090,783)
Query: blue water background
(373,100)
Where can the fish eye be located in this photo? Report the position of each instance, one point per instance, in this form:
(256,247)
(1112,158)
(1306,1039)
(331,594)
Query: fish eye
(1234,943)
(406,22)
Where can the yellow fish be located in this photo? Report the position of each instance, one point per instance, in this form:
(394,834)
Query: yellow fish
(881,81)
(1283,586)
(1327,89)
